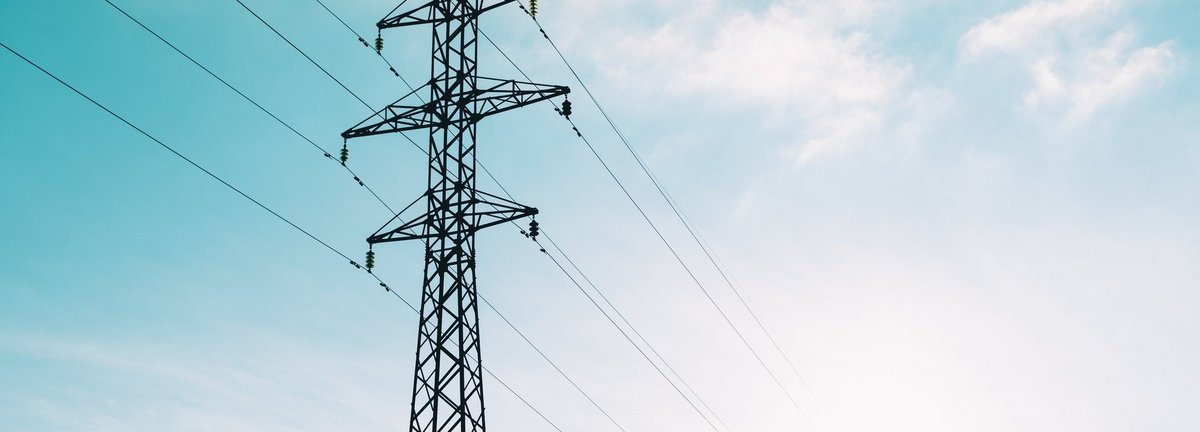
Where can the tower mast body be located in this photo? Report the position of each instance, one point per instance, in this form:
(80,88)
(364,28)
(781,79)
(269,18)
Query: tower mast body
(448,383)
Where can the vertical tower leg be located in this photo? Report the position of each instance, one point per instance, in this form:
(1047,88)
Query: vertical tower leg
(448,389)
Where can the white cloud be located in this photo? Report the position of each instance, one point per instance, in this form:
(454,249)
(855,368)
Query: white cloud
(1101,76)
(786,58)
(1031,24)
(1076,63)
(808,66)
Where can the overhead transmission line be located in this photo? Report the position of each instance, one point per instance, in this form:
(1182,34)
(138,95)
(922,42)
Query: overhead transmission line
(362,183)
(326,153)
(664,240)
(258,203)
(635,332)
(694,278)
(378,53)
(567,257)
(679,213)
(310,59)
(605,297)
(692,231)
(601,293)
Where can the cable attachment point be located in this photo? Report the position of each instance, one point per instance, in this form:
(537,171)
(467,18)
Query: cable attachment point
(566,109)
(379,43)
(533,230)
(345,153)
(370,259)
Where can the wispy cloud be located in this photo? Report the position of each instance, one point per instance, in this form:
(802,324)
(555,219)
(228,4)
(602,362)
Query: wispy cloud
(809,67)
(1100,76)
(1034,24)
(1077,62)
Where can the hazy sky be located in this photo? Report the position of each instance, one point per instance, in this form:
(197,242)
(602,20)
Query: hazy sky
(954,216)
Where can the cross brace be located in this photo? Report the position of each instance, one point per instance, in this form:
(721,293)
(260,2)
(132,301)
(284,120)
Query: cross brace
(502,211)
(493,96)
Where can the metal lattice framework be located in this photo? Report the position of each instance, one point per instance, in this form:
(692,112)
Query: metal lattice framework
(448,385)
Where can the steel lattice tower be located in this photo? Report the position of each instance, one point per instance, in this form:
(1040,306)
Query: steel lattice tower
(448,385)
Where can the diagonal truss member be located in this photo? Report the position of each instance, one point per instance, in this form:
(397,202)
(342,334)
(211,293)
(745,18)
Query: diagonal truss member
(448,386)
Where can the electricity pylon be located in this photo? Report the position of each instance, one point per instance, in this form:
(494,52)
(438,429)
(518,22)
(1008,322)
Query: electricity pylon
(448,384)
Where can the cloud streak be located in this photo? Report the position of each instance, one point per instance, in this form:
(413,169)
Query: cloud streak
(1076,64)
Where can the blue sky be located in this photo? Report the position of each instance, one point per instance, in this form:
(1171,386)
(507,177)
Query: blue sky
(954,215)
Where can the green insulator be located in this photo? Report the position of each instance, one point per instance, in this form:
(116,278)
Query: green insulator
(533,8)
(379,43)
(345,155)
(370,259)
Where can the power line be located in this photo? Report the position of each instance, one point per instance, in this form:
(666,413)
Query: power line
(630,339)
(597,289)
(625,320)
(680,215)
(639,349)
(690,230)
(252,101)
(172,150)
(510,390)
(368,46)
(656,230)
(248,197)
(540,353)
(735,285)
(695,279)
(310,59)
